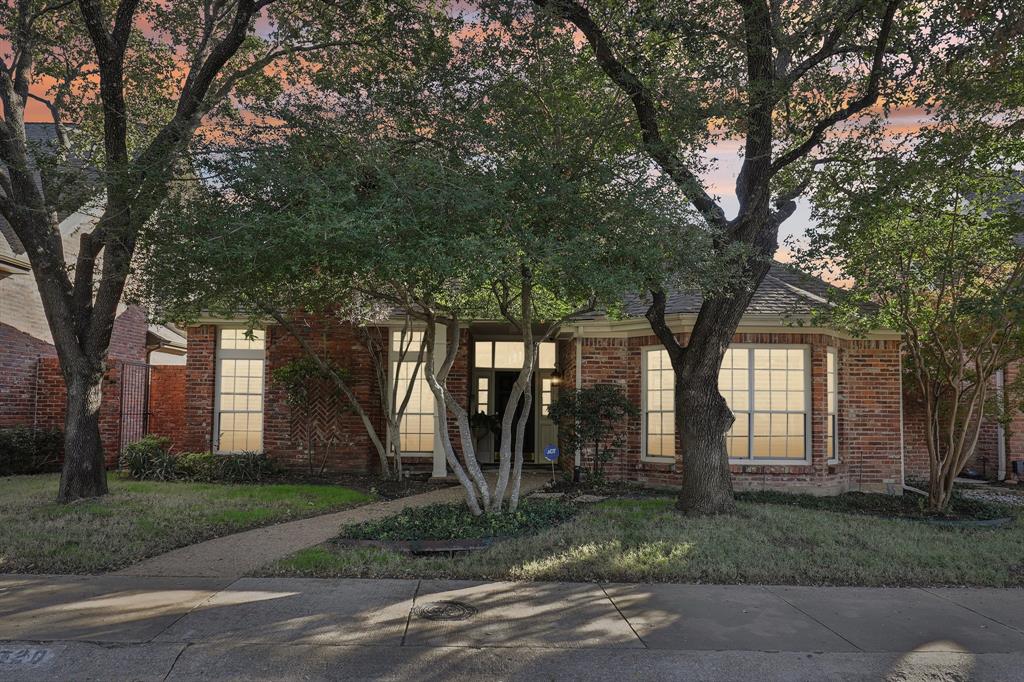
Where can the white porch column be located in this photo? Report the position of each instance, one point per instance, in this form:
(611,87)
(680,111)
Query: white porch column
(440,469)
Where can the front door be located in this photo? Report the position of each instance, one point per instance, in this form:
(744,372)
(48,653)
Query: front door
(503,383)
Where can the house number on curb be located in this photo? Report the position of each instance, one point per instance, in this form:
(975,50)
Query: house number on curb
(25,656)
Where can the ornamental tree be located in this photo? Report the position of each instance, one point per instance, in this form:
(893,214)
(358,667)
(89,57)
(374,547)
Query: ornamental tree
(932,235)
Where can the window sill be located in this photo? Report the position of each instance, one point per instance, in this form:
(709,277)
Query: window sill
(749,463)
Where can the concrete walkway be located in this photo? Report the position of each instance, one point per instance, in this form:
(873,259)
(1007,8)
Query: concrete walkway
(120,628)
(233,556)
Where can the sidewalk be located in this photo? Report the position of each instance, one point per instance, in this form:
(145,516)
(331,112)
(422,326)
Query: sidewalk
(233,556)
(118,627)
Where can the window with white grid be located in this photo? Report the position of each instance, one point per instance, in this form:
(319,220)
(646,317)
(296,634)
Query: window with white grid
(659,405)
(765,387)
(417,425)
(239,410)
(832,372)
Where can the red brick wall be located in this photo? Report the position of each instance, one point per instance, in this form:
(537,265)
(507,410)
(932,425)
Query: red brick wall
(32,390)
(200,373)
(167,403)
(869,414)
(334,430)
(52,395)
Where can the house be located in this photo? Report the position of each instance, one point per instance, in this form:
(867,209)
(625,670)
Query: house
(817,409)
(32,391)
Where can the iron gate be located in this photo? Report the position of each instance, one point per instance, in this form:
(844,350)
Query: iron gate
(134,402)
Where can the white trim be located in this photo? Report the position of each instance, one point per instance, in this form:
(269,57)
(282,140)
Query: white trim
(808,411)
(834,459)
(1000,427)
(749,324)
(579,384)
(644,457)
(236,354)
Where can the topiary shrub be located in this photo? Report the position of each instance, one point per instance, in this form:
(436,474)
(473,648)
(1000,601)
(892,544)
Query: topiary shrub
(25,450)
(149,459)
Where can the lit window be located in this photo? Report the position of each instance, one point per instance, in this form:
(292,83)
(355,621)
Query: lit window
(766,389)
(547,386)
(832,372)
(417,425)
(239,413)
(483,394)
(509,355)
(659,405)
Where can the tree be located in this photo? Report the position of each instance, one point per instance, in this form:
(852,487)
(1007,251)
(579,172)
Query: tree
(479,199)
(932,234)
(145,94)
(594,417)
(782,78)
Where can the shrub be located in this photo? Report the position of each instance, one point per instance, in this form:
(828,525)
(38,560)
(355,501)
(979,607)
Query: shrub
(25,450)
(208,467)
(455,522)
(149,459)
(594,418)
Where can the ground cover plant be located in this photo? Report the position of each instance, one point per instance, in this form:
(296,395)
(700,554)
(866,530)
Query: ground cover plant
(455,522)
(644,540)
(139,519)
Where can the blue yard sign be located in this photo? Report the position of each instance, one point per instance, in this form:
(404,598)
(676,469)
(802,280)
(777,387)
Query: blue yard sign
(551,455)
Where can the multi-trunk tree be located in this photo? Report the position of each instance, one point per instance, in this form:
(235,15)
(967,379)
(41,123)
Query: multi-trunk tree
(780,79)
(137,80)
(932,233)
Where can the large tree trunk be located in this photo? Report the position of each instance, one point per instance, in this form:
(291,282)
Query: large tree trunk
(702,415)
(84,474)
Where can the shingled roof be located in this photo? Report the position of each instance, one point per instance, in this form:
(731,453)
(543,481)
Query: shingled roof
(784,291)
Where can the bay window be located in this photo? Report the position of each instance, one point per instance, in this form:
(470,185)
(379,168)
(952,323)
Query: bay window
(766,387)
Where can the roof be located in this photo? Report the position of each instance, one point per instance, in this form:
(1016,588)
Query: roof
(41,138)
(785,290)
(166,338)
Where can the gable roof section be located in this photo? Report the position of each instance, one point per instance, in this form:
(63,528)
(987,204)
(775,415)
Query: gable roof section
(784,291)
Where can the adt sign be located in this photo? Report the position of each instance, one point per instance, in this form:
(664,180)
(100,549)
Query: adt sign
(551,453)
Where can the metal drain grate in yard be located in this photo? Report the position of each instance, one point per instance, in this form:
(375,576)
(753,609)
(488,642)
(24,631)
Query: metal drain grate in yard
(445,610)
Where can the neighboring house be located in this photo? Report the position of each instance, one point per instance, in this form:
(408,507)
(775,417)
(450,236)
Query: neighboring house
(32,391)
(817,410)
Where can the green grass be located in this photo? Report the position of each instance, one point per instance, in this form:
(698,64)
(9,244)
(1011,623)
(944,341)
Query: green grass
(140,519)
(646,540)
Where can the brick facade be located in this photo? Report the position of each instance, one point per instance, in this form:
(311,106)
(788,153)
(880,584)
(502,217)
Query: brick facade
(327,427)
(33,387)
(167,403)
(868,411)
(869,406)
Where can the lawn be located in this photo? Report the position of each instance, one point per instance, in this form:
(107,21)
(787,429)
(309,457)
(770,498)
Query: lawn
(645,540)
(140,519)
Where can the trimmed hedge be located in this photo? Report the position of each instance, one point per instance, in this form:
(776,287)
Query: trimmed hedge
(25,450)
(151,459)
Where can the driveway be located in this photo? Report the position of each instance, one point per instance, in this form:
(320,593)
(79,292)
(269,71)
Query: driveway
(156,628)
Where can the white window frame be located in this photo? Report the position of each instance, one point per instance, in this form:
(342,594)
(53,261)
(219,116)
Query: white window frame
(745,461)
(659,459)
(236,354)
(832,406)
(410,358)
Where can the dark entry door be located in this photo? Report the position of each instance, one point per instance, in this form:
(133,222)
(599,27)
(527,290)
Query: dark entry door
(503,382)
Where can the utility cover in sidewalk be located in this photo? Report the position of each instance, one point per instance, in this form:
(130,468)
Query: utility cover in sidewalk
(445,610)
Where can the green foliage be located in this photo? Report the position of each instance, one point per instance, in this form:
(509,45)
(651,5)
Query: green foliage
(302,375)
(25,450)
(594,417)
(890,506)
(150,459)
(455,522)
